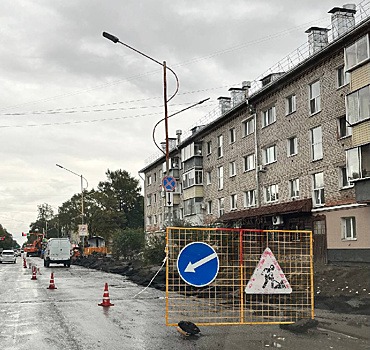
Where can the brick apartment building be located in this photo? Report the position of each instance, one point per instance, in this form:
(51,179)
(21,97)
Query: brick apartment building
(290,151)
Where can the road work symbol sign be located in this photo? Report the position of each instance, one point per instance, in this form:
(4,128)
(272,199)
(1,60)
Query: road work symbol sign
(198,264)
(268,277)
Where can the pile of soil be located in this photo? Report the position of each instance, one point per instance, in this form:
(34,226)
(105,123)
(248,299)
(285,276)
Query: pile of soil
(339,288)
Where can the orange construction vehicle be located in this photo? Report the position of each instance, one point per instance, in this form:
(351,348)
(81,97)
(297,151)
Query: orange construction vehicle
(34,248)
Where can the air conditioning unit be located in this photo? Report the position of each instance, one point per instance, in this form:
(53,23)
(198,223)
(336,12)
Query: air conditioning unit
(277,220)
(262,168)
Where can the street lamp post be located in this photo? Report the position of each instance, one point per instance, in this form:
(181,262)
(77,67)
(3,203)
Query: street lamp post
(82,197)
(166,100)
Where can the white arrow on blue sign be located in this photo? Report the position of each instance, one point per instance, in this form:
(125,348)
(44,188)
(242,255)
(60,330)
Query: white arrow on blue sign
(198,264)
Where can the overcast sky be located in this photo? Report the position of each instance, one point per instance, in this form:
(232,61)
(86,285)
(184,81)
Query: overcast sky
(70,96)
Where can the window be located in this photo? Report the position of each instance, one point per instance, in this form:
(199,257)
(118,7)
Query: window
(149,180)
(269,155)
(149,199)
(233,201)
(232,168)
(343,128)
(149,221)
(192,177)
(209,147)
(271,193)
(290,104)
(208,178)
(220,175)
(154,197)
(348,228)
(248,126)
(294,188)
(268,116)
(209,207)
(343,177)
(249,162)
(221,208)
(315,103)
(342,77)
(358,105)
(357,52)
(155,177)
(232,135)
(292,146)
(316,143)
(318,189)
(220,151)
(155,222)
(189,207)
(358,162)
(250,198)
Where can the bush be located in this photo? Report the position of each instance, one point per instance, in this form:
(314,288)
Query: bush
(154,251)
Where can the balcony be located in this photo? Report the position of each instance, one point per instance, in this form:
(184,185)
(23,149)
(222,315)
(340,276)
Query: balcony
(362,190)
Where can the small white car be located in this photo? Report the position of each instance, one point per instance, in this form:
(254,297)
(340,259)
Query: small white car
(8,256)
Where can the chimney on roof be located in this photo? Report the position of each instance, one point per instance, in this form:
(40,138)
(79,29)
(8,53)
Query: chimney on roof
(224,104)
(317,39)
(342,19)
(178,134)
(171,144)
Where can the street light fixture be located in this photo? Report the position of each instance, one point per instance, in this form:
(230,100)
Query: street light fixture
(165,67)
(82,196)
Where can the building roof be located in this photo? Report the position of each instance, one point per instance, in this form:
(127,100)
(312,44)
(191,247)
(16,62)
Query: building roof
(302,206)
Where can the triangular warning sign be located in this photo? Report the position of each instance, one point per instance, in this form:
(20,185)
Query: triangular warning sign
(268,277)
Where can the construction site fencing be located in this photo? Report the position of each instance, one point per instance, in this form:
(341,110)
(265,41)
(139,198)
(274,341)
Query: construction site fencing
(219,276)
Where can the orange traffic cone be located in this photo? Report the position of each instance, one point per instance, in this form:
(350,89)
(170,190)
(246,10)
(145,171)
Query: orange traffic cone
(52,285)
(34,273)
(24,263)
(106,300)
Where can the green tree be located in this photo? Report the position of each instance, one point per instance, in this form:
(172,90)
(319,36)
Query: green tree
(121,194)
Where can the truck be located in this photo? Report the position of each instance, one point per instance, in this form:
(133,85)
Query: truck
(34,248)
(58,251)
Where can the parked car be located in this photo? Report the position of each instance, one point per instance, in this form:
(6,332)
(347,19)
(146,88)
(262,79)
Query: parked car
(58,251)
(8,256)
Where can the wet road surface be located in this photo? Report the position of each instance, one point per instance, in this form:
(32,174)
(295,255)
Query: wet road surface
(69,318)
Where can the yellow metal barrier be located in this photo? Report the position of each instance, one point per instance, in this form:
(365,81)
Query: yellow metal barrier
(238,276)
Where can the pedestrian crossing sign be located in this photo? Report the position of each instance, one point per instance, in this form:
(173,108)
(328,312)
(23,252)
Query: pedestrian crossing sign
(268,277)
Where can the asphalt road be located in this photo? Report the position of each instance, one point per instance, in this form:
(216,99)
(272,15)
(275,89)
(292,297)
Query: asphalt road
(69,318)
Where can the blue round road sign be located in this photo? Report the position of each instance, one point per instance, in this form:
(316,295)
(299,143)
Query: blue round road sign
(198,264)
(169,183)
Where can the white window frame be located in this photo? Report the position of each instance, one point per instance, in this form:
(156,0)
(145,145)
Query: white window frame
(318,195)
(271,193)
(344,130)
(248,126)
(342,77)
(209,147)
(250,198)
(348,228)
(352,52)
(232,135)
(357,105)
(358,162)
(316,143)
(209,207)
(220,177)
(148,200)
(249,162)
(269,155)
(232,168)
(290,104)
(149,180)
(292,146)
(220,149)
(268,116)
(294,188)
(208,178)
(233,201)
(221,206)
(315,97)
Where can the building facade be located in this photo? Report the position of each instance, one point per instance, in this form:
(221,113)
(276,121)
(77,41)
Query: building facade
(293,154)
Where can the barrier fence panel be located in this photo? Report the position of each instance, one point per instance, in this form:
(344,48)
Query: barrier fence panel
(238,276)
